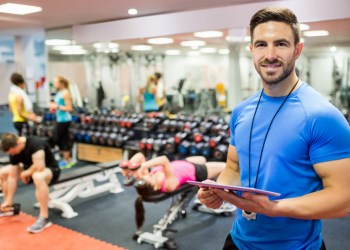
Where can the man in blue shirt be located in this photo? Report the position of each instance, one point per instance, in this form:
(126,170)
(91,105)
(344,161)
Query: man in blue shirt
(286,138)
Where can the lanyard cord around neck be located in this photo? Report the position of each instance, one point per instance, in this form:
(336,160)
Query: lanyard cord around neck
(268,129)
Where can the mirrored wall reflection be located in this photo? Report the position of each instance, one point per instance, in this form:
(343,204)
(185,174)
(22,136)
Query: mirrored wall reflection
(201,67)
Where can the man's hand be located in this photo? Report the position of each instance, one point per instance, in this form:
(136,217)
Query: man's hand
(208,197)
(249,202)
(26,176)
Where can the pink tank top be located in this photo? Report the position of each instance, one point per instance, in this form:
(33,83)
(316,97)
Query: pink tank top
(183,170)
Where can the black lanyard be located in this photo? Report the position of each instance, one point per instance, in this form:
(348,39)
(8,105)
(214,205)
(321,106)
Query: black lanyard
(251,130)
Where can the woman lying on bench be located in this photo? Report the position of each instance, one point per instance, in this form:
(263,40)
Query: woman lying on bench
(160,175)
(167,176)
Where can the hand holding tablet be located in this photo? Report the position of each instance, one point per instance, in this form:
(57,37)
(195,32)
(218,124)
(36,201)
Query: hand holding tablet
(233,188)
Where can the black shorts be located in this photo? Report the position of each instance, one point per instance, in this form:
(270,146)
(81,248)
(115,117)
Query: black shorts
(19,127)
(61,136)
(201,172)
(55,175)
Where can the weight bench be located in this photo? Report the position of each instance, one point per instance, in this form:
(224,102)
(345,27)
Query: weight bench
(180,200)
(83,182)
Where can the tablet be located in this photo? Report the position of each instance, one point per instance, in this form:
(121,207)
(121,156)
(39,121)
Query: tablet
(233,188)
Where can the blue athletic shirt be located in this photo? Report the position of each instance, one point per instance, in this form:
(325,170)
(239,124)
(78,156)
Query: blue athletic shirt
(307,130)
(62,116)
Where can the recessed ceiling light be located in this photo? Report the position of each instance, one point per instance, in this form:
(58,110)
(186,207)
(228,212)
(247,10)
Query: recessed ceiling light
(237,39)
(193,53)
(304,26)
(68,47)
(55,42)
(224,51)
(160,40)
(74,52)
(172,52)
(18,9)
(193,43)
(141,47)
(312,33)
(333,49)
(132,12)
(208,50)
(208,34)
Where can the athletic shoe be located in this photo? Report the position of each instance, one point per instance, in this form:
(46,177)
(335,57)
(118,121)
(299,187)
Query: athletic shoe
(68,165)
(62,163)
(10,210)
(40,224)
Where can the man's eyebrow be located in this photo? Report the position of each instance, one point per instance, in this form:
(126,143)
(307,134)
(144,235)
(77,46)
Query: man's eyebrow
(259,41)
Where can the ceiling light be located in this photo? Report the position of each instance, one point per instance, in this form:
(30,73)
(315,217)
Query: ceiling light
(333,49)
(224,51)
(74,52)
(132,12)
(113,45)
(313,33)
(160,40)
(18,9)
(208,50)
(193,53)
(208,34)
(193,43)
(55,42)
(68,47)
(172,52)
(237,39)
(304,26)
(141,47)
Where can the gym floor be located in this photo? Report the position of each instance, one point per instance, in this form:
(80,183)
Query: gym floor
(110,217)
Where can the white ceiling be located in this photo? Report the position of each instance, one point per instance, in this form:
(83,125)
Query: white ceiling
(59,16)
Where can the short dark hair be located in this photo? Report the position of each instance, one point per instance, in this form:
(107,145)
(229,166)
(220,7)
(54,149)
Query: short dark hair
(8,141)
(158,75)
(17,79)
(276,14)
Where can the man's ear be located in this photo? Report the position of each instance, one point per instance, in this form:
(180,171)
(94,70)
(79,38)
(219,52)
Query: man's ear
(298,48)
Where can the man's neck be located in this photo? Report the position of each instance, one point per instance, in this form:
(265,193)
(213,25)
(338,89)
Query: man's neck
(281,88)
(22,142)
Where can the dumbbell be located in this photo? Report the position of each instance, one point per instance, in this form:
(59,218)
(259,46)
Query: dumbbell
(206,150)
(220,152)
(173,126)
(149,144)
(195,148)
(102,139)
(123,137)
(180,136)
(215,140)
(142,143)
(95,136)
(204,127)
(79,135)
(158,144)
(190,125)
(87,136)
(11,210)
(199,137)
(128,180)
(165,125)
(170,146)
(111,139)
(182,148)
(31,130)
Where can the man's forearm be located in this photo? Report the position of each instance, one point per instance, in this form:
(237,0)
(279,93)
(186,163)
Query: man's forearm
(323,204)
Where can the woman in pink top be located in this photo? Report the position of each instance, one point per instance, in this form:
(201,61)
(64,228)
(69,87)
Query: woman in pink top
(162,174)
